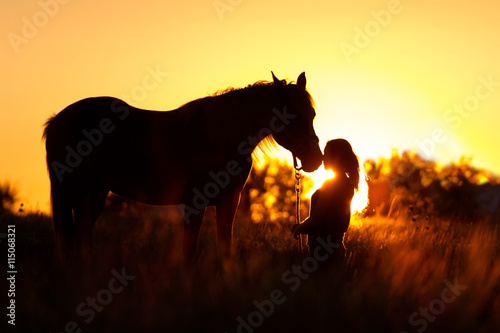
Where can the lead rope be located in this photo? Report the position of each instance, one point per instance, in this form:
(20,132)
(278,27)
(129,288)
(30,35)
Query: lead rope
(298,175)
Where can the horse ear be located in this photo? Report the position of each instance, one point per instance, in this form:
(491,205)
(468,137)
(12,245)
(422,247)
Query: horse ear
(301,81)
(277,82)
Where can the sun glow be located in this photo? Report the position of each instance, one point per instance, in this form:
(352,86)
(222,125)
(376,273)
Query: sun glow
(319,177)
(360,199)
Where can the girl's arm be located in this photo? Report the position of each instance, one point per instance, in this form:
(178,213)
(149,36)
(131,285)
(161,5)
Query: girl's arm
(303,228)
(327,206)
(318,210)
(308,225)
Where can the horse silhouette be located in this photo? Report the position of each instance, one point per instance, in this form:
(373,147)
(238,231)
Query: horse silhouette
(195,156)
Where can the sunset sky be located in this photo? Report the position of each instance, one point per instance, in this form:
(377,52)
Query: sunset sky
(421,74)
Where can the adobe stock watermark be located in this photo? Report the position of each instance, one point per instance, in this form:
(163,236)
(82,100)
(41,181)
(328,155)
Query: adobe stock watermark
(292,279)
(30,26)
(94,137)
(221,179)
(150,82)
(88,309)
(11,274)
(420,319)
(223,6)
(365,35)
(455,115)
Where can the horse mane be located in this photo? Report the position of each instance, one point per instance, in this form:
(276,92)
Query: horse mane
(268,144)
(260,83)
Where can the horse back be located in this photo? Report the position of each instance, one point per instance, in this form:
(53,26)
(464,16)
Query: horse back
(154,157)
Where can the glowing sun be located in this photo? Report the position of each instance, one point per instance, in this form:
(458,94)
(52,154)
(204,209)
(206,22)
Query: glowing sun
(360,199)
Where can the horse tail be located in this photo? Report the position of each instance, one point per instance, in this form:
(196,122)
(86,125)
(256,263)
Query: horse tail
(47,125)
(62,210)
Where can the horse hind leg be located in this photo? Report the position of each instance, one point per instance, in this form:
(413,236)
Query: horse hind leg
(64,226)
(87,210)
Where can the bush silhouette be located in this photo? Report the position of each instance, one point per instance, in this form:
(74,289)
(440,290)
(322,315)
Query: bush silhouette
(269,194)
(406,183)
(8,198)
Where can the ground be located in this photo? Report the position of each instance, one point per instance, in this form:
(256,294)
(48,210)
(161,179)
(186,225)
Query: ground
(401,275)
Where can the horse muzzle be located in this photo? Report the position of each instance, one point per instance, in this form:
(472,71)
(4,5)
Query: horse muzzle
(310,156)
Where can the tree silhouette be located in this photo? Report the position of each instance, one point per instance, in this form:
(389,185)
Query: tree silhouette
(8,197)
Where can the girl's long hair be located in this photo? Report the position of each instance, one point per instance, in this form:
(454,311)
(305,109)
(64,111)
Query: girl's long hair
(347,160)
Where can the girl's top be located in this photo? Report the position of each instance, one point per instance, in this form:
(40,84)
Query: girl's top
(330,209)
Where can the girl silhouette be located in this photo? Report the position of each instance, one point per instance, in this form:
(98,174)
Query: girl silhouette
(331,204)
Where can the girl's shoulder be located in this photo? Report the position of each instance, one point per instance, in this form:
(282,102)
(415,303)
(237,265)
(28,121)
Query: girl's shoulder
(340,181)
(337,185)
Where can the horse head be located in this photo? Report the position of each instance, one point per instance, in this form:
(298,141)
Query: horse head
(297,111)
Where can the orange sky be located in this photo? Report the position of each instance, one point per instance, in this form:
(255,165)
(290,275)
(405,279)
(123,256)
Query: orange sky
(404,74)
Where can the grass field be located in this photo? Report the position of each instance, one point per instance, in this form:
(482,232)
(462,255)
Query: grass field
(400,276)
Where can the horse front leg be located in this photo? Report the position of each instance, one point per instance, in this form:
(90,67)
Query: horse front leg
(226,210)
(192,224)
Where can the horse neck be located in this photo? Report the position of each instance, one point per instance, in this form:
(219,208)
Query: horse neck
(255,111)
(234,119)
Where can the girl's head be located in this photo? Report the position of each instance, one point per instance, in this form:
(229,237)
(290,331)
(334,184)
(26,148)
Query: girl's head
(339,157)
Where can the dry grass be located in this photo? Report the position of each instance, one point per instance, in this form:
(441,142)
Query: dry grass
(394,268)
